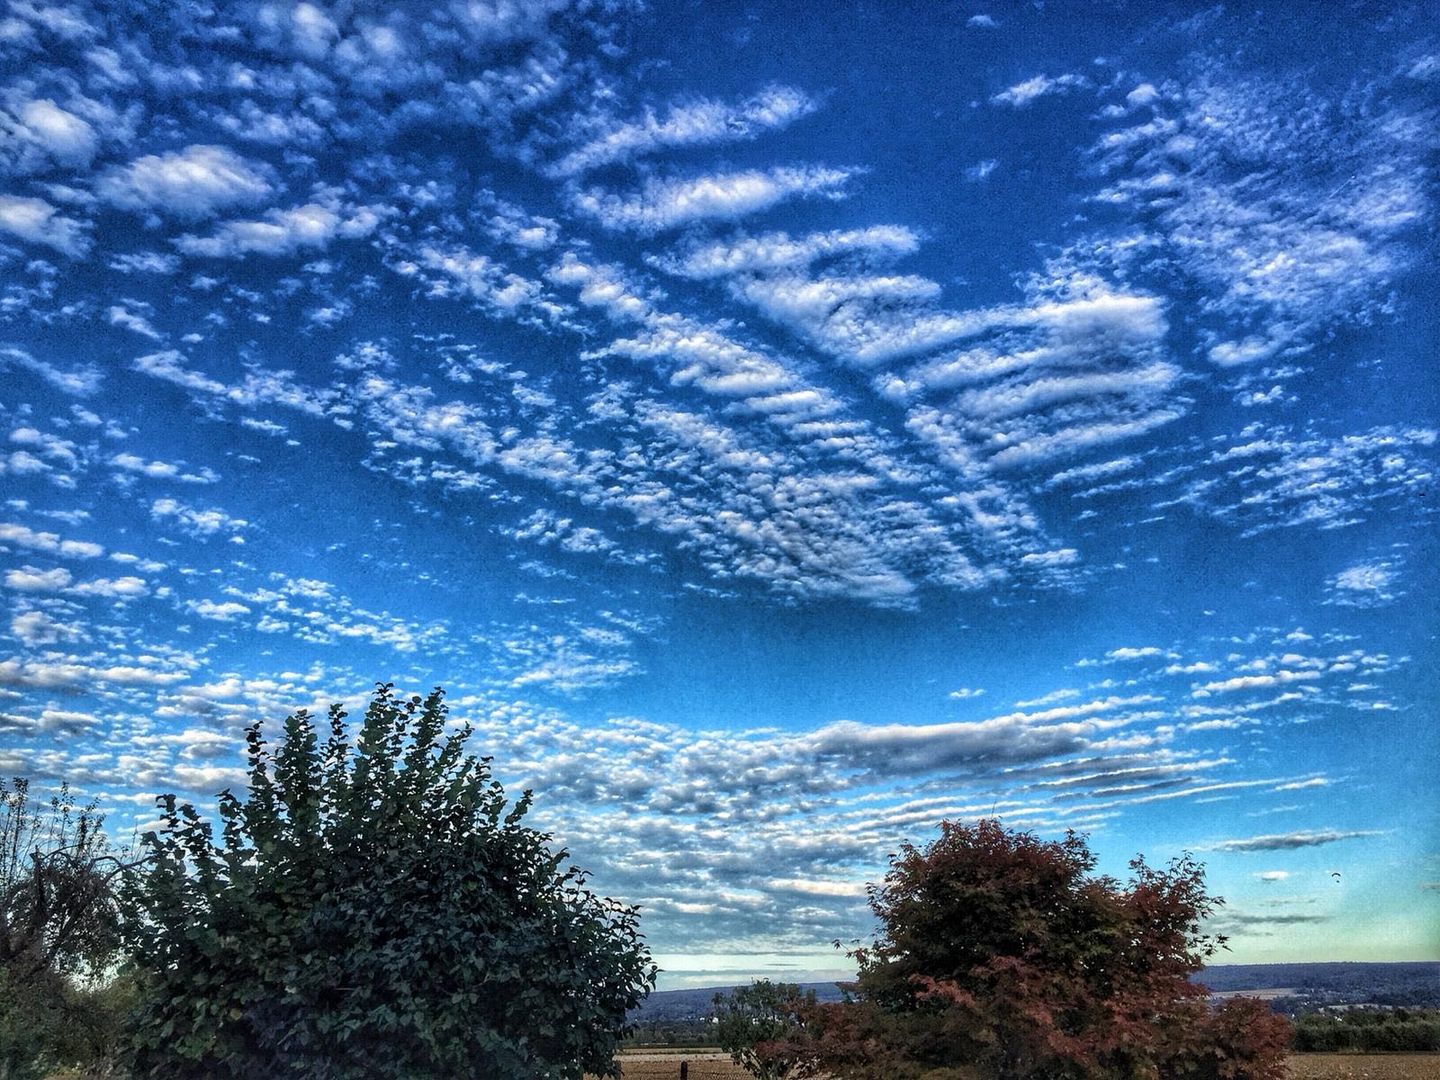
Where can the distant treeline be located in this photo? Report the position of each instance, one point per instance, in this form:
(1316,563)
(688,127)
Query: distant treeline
(672,1033)
(1409,984)
(1369,1031)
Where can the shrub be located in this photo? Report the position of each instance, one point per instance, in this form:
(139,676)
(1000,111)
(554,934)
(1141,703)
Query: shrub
(754,1024)
(1369,1030)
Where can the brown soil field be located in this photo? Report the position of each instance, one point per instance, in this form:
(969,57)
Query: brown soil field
(660,1065)
(1364,1066)
(711,1066)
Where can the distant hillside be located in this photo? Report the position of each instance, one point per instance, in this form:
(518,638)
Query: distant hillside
(671,1005)
(1355,982)
(1415,982)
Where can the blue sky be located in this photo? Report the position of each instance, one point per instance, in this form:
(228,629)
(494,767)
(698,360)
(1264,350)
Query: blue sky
(776,433)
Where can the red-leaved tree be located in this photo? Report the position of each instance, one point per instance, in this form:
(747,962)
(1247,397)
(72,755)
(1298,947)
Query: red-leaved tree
(1004,955)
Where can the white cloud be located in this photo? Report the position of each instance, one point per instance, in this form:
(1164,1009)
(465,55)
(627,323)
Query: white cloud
(1058,557)
(1143,94)
(1245,351)
(161,470)
(40,132)
(1064,694)
(819,887)
(145,262)
(774,252)
(1024,93)
(196,521)
(510,224)
(23,536)
(668,203)
(41,628)
(694,124)
(285,232)
(122,316)
(903,749)
(192,183)
(82,381)
(1366,584)
(1254,682)
(1301,785)
(864,318)
(1131,653)
(38,222)
(489,281)
(225,611)
(1220,175)
(122,588)
(57,673)
(1274,478)
(32,579)
(694,354)
(260,386)
(493,22)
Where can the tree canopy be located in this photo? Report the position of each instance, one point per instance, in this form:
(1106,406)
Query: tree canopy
(1007,955)
(374,909)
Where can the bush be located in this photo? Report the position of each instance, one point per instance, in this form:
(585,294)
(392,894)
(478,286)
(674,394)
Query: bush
(1241,1039)
(374,910)
(1369,1031)
(754,1024)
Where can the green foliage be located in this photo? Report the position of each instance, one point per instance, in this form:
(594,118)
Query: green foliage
(375,910)
(1369,1031)
(1008,955)
(54,1023)
(752,1023)
(59,931)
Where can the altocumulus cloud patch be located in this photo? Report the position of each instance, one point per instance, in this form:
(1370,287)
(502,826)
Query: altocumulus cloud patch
(774,448)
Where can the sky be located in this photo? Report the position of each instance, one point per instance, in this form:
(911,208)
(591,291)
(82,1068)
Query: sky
(777,433)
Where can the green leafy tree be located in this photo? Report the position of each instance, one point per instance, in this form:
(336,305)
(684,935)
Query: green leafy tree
(59,932)
(1008,955)
(374,910)
(754,1024)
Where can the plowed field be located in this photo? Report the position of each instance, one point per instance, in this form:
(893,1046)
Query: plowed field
(704,1065)
(712,1066)
(1365,1066)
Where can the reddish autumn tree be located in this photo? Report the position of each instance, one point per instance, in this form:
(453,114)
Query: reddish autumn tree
(1004,955)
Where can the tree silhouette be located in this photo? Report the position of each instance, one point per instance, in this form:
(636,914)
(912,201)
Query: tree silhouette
(59,926)
(375,910)
(1007,954)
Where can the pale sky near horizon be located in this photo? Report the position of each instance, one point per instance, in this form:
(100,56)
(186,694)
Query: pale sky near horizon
(777,431)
